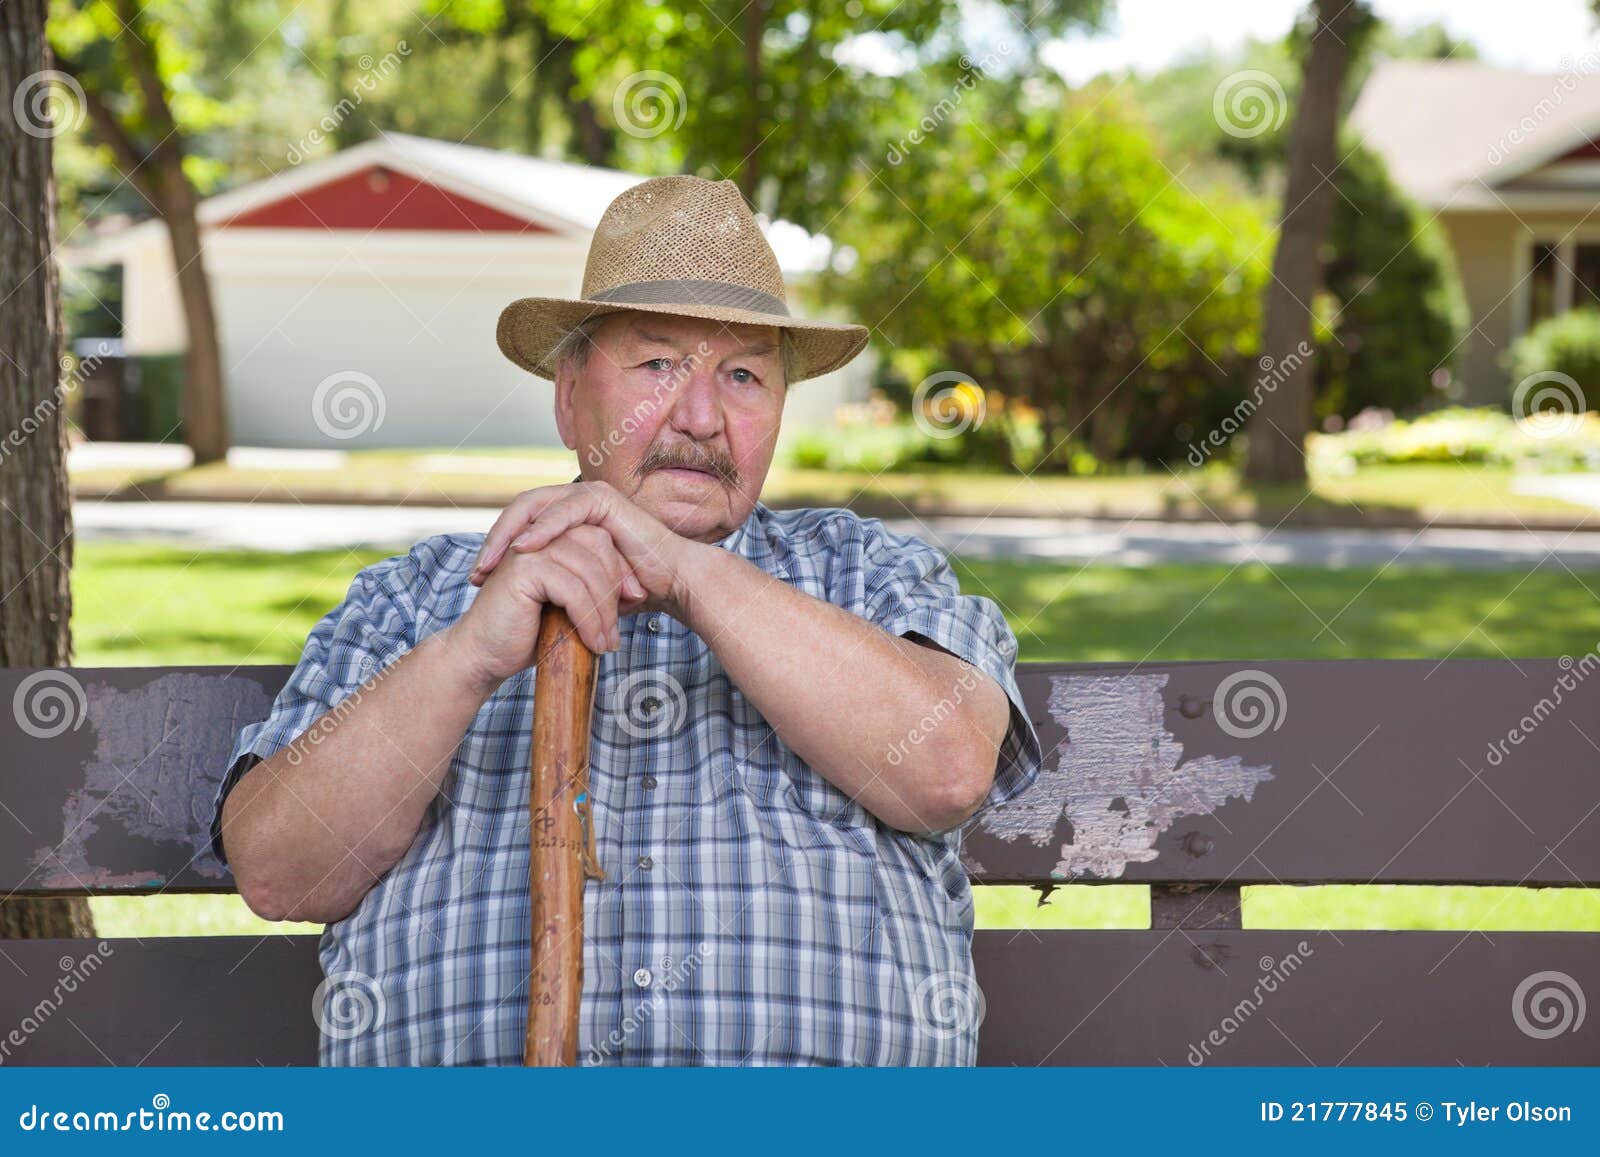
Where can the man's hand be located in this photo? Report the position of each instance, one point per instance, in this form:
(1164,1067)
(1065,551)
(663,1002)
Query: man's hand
(580,571)
(656,558)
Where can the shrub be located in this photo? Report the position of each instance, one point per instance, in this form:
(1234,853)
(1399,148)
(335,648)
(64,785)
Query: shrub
(1567,344)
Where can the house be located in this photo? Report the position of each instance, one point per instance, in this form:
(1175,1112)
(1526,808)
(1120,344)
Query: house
(357,295)
(1508,163)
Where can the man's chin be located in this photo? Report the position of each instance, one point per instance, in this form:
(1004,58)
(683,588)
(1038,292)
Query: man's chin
(699,510)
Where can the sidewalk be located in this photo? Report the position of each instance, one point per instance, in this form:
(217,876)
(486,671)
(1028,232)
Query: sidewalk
(131,472)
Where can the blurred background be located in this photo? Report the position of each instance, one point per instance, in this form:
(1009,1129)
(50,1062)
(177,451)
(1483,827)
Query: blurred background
(1193,335)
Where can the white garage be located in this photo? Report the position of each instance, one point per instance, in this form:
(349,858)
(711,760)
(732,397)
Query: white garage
(357,295)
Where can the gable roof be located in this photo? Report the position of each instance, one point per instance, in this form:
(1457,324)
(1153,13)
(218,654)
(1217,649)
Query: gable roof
(558,196)
(1456,133)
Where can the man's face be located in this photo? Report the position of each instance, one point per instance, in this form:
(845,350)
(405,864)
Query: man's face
(680,414)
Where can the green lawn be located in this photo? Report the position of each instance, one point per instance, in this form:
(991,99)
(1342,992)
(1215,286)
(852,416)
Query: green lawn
(147,605)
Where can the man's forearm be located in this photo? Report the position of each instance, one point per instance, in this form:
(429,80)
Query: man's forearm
(310,830)
(844,694)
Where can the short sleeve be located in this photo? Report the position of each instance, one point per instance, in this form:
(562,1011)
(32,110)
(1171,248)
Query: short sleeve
(910,589)
(371,628)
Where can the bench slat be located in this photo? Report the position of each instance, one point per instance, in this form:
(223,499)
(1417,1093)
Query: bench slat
(1394,771)
(1053,998)
(1356,998)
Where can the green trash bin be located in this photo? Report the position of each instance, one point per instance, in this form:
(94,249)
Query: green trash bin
(161,396)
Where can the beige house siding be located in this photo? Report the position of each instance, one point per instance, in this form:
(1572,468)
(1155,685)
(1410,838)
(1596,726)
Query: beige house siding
(1492,253)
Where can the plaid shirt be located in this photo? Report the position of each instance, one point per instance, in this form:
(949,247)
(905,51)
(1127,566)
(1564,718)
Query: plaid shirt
(752,913)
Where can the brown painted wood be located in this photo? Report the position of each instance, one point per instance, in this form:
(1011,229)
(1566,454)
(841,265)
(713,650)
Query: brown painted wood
(558,802)
(214,1000)
(1336,998)
(1050,998)
(1196,906)
(1383,771)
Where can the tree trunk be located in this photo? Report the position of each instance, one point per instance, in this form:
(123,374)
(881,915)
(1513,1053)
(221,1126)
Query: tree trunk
(36,532)
(157,172)
(205,414)
(1278,429)
(595,143)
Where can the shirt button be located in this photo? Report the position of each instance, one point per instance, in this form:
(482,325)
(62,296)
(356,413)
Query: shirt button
(653,623)
(646,862)
(641,977)
(649,781)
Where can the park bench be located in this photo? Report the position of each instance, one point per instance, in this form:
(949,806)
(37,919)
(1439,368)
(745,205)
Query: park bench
(1192,778)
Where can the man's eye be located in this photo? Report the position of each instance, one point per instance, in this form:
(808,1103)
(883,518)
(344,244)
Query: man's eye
(660,365)
(748,376)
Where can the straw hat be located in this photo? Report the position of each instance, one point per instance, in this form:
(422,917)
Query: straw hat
(679,245)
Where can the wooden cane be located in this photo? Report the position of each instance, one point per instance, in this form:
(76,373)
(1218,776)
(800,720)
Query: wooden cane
(561,835)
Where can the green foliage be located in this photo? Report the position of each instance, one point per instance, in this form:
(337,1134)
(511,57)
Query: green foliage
(1568,344)
(1398,311)
(1032,239)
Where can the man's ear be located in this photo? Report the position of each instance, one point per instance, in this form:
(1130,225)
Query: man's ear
(566,386)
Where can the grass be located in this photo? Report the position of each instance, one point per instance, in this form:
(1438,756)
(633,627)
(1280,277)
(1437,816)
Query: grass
(137,604)
(1389,493)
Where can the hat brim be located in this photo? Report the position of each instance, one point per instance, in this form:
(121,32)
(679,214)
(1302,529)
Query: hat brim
(530,328)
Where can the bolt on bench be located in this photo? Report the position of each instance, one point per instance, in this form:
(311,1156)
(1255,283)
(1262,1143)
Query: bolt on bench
(1193,778)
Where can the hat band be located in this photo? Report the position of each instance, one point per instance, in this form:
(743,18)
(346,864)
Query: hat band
(690,291)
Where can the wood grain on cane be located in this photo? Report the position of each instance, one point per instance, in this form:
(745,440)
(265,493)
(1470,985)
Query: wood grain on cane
(561,838)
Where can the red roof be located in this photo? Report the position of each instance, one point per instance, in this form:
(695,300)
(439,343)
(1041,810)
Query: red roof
(377,197)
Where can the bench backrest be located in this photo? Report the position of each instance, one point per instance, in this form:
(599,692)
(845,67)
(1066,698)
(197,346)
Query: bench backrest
(1193,778)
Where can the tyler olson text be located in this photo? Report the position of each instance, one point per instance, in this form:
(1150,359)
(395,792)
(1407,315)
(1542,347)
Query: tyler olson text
(1472,1113)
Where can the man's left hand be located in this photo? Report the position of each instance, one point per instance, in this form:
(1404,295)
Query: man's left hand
(656,555)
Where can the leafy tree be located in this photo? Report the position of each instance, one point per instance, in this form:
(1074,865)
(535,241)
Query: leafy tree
(1033,240)
(134,64)
(1398,311)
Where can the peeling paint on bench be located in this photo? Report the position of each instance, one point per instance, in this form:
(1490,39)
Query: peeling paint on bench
(1120,780)
(152,745)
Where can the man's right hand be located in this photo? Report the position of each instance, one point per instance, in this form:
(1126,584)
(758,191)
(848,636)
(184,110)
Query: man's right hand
(580,571)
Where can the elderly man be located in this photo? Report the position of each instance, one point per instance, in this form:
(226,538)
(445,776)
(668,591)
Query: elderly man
(796,713)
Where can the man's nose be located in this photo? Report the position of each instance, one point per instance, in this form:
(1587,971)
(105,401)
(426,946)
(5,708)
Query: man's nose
(696,407)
